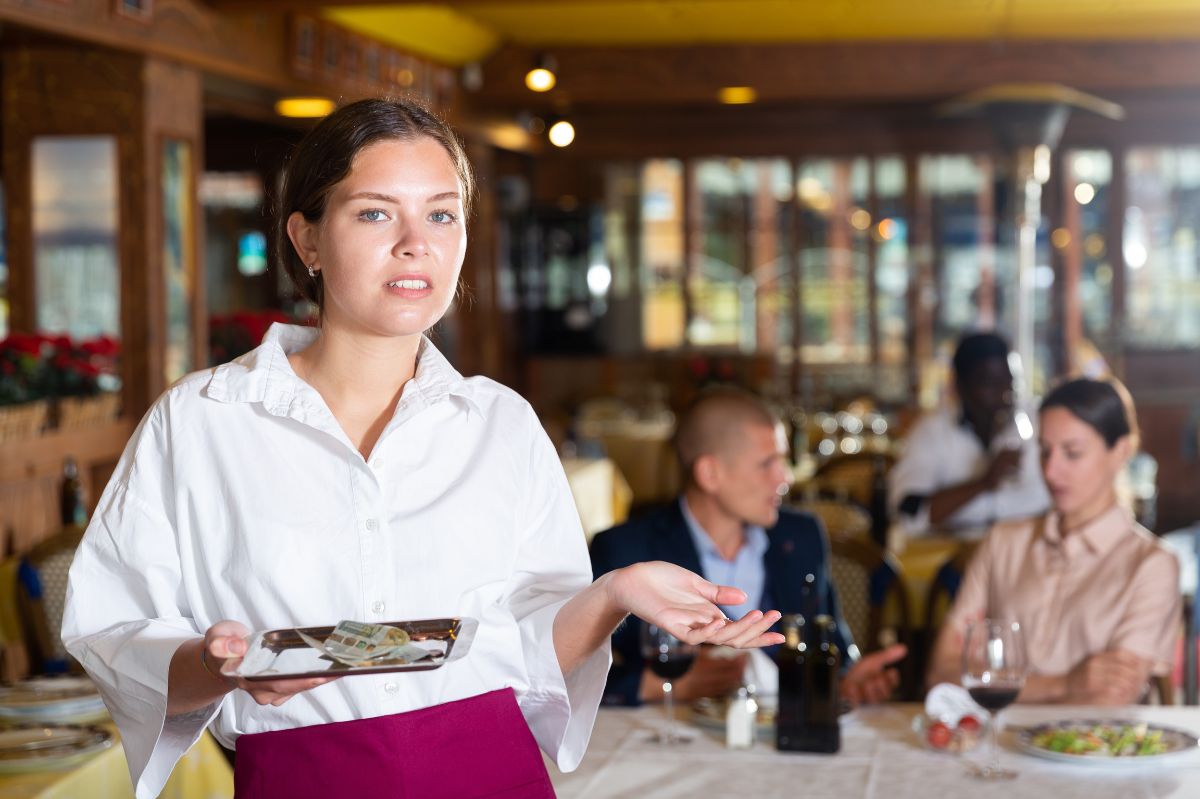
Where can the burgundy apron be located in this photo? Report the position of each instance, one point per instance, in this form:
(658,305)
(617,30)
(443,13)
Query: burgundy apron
(469,749)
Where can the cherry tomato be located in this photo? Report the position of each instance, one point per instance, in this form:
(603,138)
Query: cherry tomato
(969,724)
(938,735)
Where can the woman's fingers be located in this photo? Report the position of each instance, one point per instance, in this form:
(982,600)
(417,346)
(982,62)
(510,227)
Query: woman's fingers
(746,631)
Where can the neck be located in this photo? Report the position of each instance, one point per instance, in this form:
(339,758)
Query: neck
(1085,515)
(727,532)
(356,370)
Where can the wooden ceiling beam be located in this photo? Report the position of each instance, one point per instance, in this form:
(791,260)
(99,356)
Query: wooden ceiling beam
(847,72)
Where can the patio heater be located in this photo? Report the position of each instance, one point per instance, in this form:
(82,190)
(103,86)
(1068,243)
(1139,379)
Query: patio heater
(1027,120)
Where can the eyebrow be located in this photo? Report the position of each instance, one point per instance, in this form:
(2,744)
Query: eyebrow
(387,198)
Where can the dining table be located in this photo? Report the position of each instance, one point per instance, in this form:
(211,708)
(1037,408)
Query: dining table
(202,773)
(881,757)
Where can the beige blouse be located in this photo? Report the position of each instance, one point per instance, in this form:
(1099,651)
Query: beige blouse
(1111,585)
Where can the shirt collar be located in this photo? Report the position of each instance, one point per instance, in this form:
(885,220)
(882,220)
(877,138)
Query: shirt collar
(265,375)
(755,543)
(1099,535)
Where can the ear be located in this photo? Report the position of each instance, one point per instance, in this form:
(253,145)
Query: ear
(304,236)
(707,473)
(1122,450)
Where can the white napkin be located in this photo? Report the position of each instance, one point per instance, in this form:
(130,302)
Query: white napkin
(948,703)
(762,673)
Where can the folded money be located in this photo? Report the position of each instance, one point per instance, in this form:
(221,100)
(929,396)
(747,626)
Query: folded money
(357,643)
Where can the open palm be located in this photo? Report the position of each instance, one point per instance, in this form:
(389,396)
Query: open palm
(685,604)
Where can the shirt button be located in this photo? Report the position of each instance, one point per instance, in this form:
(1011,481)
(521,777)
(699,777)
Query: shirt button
(372,525)
(391,687)
(378,606)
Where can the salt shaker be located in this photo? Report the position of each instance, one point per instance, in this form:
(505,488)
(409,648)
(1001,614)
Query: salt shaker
(740,719)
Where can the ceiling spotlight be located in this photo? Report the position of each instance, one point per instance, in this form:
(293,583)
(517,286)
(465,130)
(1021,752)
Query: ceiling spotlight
(541,77)
(304,107)
(562,133)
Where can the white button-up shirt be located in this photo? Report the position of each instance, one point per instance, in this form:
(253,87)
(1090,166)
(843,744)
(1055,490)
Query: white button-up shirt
(240,497)
(943,451)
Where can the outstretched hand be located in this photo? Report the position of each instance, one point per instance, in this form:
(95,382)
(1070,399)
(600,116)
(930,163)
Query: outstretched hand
(685,605)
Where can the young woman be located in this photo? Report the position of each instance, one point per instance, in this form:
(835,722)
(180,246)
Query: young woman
(349,472)
(1096,594)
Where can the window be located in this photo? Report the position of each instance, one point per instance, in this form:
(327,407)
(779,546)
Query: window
(1162,219)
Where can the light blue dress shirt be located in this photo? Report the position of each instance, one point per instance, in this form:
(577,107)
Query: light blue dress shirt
(746,571)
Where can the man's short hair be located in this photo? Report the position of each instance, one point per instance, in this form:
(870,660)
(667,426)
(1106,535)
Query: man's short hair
(974,349)
(714,422)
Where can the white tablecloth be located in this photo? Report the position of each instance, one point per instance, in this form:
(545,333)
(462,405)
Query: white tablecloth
(880,759)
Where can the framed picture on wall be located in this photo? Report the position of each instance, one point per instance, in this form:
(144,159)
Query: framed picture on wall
(331,50)
(140,10)
(304,44)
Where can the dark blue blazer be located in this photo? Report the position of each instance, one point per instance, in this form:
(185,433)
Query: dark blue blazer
(798,548)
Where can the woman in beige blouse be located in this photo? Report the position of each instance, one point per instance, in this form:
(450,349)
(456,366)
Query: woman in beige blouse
(1096,594)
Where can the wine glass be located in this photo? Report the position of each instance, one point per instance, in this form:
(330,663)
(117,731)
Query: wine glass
(669,658)
(994,667)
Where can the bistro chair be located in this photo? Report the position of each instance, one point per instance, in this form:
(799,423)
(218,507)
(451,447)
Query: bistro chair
(945,585)
(874,599)
(839,517)
(853,476)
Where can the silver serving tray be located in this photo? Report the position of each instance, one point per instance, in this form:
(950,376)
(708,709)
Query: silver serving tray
(282,654)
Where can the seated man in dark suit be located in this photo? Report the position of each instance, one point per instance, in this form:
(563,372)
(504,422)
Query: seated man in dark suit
(729,526)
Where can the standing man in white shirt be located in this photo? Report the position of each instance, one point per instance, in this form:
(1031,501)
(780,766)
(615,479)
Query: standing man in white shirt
(967,467)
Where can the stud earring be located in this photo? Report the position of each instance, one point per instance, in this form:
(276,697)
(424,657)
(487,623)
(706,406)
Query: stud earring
(312,271)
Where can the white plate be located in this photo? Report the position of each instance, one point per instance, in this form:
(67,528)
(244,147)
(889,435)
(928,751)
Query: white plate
(61,700)
(49,747)
(1180,744)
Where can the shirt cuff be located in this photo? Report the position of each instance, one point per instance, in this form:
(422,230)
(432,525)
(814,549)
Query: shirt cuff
(561,710)
(136,697)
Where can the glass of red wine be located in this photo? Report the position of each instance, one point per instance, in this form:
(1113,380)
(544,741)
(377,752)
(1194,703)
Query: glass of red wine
(669,658)
(994,667)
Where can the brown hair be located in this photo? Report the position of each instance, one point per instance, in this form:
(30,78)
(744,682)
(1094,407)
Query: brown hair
(1104,405)
(714,423)
(325,155)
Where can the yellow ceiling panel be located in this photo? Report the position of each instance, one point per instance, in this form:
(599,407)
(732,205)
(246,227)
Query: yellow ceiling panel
(435,31)
(466,30)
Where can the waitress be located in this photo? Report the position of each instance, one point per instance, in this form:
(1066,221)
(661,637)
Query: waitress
(349,472)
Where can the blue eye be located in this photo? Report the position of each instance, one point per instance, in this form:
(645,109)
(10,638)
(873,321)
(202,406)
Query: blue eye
(443,217)
(372,215)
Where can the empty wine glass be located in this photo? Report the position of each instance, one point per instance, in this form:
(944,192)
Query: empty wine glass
(994,667)
(669,658)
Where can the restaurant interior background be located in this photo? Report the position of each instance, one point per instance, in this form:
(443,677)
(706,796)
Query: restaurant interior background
(811,199)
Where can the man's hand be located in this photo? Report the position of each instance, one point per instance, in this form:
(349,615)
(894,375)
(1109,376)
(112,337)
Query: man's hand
(1115,677)
(1005,464)
(870,680)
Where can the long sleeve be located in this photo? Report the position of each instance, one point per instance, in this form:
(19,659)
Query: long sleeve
(552,566)
(916,476)
(125,612)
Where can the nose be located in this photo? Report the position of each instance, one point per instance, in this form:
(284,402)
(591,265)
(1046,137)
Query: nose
(411,242)
(1050,465)
(783,480)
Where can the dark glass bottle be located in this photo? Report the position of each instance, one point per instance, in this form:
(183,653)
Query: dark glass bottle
(71,504)
(808,661)
(824,664)
(792,660)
